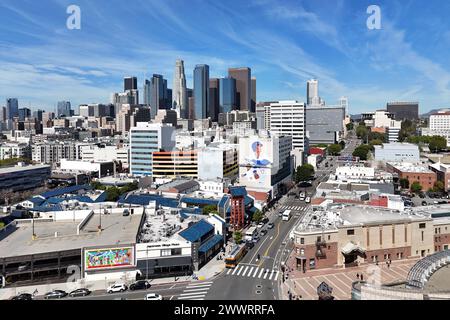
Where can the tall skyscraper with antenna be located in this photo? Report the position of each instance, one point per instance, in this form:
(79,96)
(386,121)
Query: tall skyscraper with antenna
(179,95)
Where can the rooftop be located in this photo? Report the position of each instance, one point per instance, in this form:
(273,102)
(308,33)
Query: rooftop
(338,216)
(22,168)
(56,236)
(410,167)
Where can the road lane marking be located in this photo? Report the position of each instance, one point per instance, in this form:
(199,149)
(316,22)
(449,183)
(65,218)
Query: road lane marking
(271,244)
(250,272)
(256,271)
(266,273)
(276,276)
(245,271)
(260,274)
(229,271)
(240,270)
(206,285)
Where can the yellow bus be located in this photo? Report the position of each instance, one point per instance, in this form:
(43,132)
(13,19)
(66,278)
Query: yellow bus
(235,256)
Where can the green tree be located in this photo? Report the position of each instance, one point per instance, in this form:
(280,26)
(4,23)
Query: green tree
(209,209)
(350,126)
(257,216)
(334,149)
(237,236)
(438,186)
(377,136)
(408,129)
(437,144)
(362,152)
(416,187)
(404,183)
(113,194)
(304,173)
(362,132)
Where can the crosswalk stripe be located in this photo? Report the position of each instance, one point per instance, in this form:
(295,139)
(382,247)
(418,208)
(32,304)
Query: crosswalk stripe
(235,270)
(239,272)
(198,286)
(260,274)
(256,271)
(194,290)
(265,275)
(272,274)
(193,293)
(276,276)
(191,297)
(229,271)
(250,272)
(245,271)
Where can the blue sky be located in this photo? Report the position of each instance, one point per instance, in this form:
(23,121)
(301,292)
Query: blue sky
(284,42)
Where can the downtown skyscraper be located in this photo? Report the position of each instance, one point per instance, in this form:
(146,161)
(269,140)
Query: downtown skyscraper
(179,94)
(201,91)
(243,77)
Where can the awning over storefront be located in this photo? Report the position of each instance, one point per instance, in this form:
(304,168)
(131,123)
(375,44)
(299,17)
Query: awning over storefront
(351,247)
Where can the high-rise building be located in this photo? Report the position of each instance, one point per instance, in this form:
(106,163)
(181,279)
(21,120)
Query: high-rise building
(130,83)
(128,97)
(201,91)
(343,102)
(191,103)
(214,95)
(146,138)
(227,91)
(253,102)
(158,94)
(64,109)
(312,92)
(147,92)
(130,115)
(324,125)
(404,110)
(243,78)
(24,113)
(12,108)
(179,94)
(287,118)
(2,114)
(38,114)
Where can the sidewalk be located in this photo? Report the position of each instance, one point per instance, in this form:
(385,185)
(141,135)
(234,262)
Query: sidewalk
(209,271)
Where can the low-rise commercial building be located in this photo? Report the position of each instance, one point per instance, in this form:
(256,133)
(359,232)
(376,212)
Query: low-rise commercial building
(397,152)
(21,178)
(414,173)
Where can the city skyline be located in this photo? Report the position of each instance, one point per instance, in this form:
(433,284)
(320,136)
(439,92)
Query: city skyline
(370,67)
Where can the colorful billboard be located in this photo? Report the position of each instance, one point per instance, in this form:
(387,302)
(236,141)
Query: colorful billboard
(256,162)
(108,258)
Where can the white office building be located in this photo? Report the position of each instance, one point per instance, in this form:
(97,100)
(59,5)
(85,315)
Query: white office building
(146,138)
(397,152)
(287,118)
(102,153)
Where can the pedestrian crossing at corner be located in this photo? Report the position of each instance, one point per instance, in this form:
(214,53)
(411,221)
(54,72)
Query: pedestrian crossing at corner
(294,208)
(196,291)
(247,271)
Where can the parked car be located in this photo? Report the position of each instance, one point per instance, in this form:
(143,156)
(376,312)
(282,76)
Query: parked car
(126,213)
(265,220)
(260,225)
(55,294)
(263,232)
(270,226)
(308,200)
(153,296)
(117,287)
(249,245)
(255,239)
(424,203)
(140,285)
(23,296)
(82,292)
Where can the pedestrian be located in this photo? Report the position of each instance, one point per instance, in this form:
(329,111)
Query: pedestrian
(357,276)
(362,277)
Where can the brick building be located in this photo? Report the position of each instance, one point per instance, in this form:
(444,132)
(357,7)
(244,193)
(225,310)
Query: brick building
(414,173)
